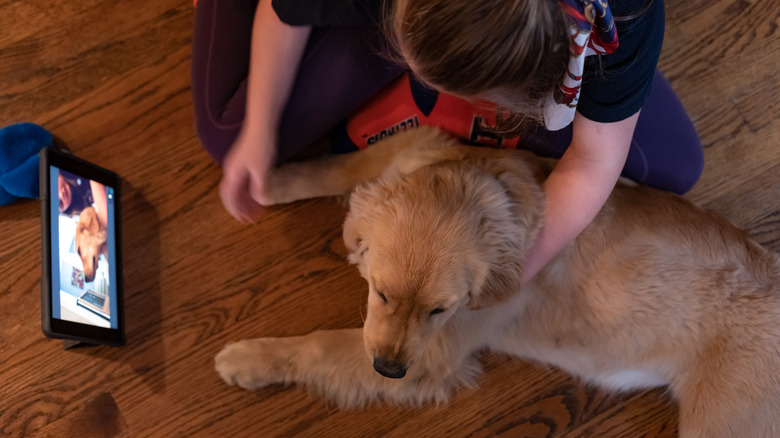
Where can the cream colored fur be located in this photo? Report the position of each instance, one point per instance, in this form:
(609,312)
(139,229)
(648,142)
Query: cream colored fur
(654,292)
(90,241)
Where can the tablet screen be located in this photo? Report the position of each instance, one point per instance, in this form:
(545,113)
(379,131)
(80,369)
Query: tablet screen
(83,250)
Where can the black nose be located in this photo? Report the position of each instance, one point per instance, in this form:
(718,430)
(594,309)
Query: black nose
(393,370)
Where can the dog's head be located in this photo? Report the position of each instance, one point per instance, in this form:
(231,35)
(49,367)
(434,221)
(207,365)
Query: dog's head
(90,242)
(442,238)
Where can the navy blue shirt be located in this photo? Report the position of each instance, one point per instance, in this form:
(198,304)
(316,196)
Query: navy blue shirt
(614,86)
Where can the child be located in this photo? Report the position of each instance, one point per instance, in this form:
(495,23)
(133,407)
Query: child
(314,62)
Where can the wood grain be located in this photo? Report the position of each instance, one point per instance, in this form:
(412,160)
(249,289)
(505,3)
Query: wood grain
(112,79)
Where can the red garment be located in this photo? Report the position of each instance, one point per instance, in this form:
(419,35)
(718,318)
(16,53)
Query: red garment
(405,104)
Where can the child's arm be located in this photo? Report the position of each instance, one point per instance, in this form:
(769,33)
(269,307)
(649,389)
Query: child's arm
(276,53)
(580,184)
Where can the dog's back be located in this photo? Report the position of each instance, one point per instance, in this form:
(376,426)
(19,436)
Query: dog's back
(658,286)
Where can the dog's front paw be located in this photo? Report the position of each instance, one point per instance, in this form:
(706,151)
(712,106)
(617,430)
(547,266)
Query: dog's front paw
(266,197)
(250,364)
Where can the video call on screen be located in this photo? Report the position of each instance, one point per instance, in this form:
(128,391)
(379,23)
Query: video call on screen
(83,250)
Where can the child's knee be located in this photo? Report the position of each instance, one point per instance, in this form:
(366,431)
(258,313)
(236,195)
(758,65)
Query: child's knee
(684,171)
(690,162)
(695,169)
(216,139)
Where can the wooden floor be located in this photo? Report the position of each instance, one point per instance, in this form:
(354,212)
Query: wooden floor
(112,79)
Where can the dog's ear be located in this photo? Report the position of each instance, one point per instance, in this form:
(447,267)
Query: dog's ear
(497,271)
(88,221)
(498,286)
(511,236)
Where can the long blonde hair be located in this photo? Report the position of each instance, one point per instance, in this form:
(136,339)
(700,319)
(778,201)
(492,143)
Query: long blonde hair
(511,52)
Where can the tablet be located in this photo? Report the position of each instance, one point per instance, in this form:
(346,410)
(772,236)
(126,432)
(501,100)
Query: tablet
(81,281)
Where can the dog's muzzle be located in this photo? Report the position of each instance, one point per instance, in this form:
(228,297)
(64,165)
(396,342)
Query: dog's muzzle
(389,369)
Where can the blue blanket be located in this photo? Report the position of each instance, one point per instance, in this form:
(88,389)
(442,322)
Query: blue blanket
(19,147)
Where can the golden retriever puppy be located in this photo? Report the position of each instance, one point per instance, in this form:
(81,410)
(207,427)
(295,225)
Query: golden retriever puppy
(656,291)
(90,242)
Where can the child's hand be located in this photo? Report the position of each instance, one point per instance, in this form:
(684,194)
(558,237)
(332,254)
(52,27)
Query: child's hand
(245,174)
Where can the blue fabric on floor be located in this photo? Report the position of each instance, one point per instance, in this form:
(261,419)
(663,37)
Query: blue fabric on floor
(19,147)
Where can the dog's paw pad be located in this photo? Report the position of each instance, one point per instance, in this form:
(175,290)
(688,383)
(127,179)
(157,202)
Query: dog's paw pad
(246,364)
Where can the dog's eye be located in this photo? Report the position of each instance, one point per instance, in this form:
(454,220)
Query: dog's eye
(382,296)
(436,311)
(78,250)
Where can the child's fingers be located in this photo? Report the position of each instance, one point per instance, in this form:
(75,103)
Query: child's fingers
(230,192)
(236,197)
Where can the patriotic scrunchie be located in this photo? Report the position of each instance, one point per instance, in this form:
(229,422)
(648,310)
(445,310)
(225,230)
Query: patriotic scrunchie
(591,31)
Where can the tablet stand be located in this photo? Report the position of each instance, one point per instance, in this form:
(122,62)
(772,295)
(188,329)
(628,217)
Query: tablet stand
(70,345)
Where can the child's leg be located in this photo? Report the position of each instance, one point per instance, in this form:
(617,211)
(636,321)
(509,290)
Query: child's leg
(220,61)
(339,71)
(665,153)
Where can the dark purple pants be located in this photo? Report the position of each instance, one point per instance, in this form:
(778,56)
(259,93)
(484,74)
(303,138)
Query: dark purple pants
(341,69)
